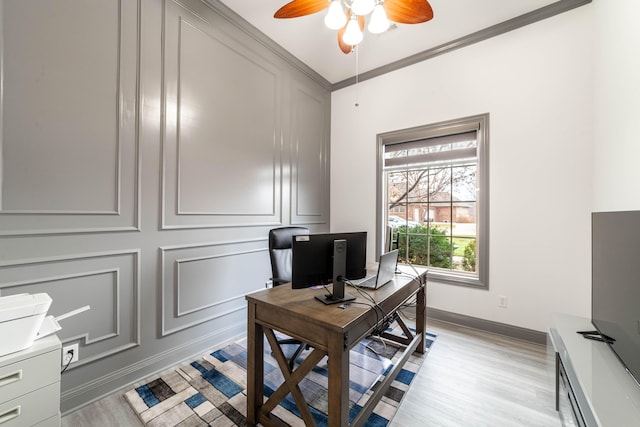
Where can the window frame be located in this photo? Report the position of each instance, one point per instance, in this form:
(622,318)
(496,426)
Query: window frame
(479,123)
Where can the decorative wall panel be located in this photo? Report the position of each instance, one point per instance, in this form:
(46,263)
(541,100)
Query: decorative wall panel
(107,282)
(69,108)
(206,281)
(221,147)
(182,105)
(309,157)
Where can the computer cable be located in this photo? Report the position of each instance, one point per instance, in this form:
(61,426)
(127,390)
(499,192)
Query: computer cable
(422,278)
(373,306)
(383,320)
(368,305)
(367,296)
(382,323)
(409,303)
(69,356)
(326,288)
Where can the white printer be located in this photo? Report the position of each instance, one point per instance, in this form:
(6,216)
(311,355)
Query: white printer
(21,317)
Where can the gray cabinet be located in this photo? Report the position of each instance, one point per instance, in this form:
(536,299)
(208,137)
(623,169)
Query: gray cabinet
(590,380)
(30,385)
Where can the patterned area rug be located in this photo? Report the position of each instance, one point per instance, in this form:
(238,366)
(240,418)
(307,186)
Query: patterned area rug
(211,391)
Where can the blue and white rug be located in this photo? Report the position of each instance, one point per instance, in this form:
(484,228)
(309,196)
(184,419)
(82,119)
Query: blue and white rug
(211,391)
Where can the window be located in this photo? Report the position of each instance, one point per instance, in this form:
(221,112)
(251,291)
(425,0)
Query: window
(433,198)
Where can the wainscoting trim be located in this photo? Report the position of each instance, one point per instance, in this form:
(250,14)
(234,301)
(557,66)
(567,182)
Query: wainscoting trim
(170,285)
(74,398)
(516,332)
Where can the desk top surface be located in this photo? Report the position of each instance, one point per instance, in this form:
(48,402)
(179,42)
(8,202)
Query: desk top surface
(302,304)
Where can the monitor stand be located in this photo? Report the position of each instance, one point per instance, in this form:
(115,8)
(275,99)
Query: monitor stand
(339,268)
(329,299)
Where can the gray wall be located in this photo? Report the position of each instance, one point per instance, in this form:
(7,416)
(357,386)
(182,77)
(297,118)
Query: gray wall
(147,148)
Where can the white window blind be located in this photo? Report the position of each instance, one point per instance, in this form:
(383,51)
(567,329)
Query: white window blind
(444,149)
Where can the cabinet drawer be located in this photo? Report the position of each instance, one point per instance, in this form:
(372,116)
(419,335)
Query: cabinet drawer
(31,408)
(50,422)
(29,374)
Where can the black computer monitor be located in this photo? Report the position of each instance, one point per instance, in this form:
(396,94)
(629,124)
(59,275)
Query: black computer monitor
(313,258)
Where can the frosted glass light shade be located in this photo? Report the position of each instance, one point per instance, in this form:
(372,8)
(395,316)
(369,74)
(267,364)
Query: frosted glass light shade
(335,18)
(352,35)
(379,23)
(362,7)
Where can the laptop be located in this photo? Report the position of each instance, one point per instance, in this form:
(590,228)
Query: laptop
(386,272)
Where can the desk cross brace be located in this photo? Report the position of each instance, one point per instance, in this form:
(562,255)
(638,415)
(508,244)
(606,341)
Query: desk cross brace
(396,338)
(368,407)
(411,342)
(291,379)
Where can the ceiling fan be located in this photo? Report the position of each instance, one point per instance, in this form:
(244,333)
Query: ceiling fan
(350,21)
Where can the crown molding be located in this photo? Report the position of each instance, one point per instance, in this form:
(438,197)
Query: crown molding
(523,20)
(540,14)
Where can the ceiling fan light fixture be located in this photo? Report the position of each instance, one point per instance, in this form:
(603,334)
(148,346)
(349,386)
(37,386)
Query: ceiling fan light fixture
(378,23)
(352,35)
(362,7)
(335,17)
(382,15)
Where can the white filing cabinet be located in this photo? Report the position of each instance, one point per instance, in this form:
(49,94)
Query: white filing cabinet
(30,385)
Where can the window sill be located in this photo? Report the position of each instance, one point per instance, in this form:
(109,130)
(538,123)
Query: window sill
(457,279)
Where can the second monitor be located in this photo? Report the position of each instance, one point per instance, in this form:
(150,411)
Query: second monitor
(313,260)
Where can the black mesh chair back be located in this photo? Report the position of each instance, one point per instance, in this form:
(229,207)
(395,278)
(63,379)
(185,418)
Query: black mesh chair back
(281,252)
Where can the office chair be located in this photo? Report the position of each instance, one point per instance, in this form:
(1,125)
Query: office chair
(281,254)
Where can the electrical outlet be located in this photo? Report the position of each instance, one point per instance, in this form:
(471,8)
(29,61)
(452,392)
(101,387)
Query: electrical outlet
(503,302)
(66,354)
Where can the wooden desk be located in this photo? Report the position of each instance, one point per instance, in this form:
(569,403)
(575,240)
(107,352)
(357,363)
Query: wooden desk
(331,331)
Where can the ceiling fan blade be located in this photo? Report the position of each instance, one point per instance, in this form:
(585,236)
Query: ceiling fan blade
(408,11)
(297,8)
(347,48)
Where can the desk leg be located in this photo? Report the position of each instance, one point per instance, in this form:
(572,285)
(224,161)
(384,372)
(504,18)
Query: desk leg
(421,321)
(255,366)
(338,381)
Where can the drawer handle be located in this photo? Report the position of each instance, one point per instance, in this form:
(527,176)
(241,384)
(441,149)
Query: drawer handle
(11,378)
(10,415)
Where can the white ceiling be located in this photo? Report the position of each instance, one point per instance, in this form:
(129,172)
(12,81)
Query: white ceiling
(309,40)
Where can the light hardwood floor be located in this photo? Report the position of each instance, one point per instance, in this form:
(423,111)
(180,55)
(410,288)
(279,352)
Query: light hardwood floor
(473,378)
(470,378)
